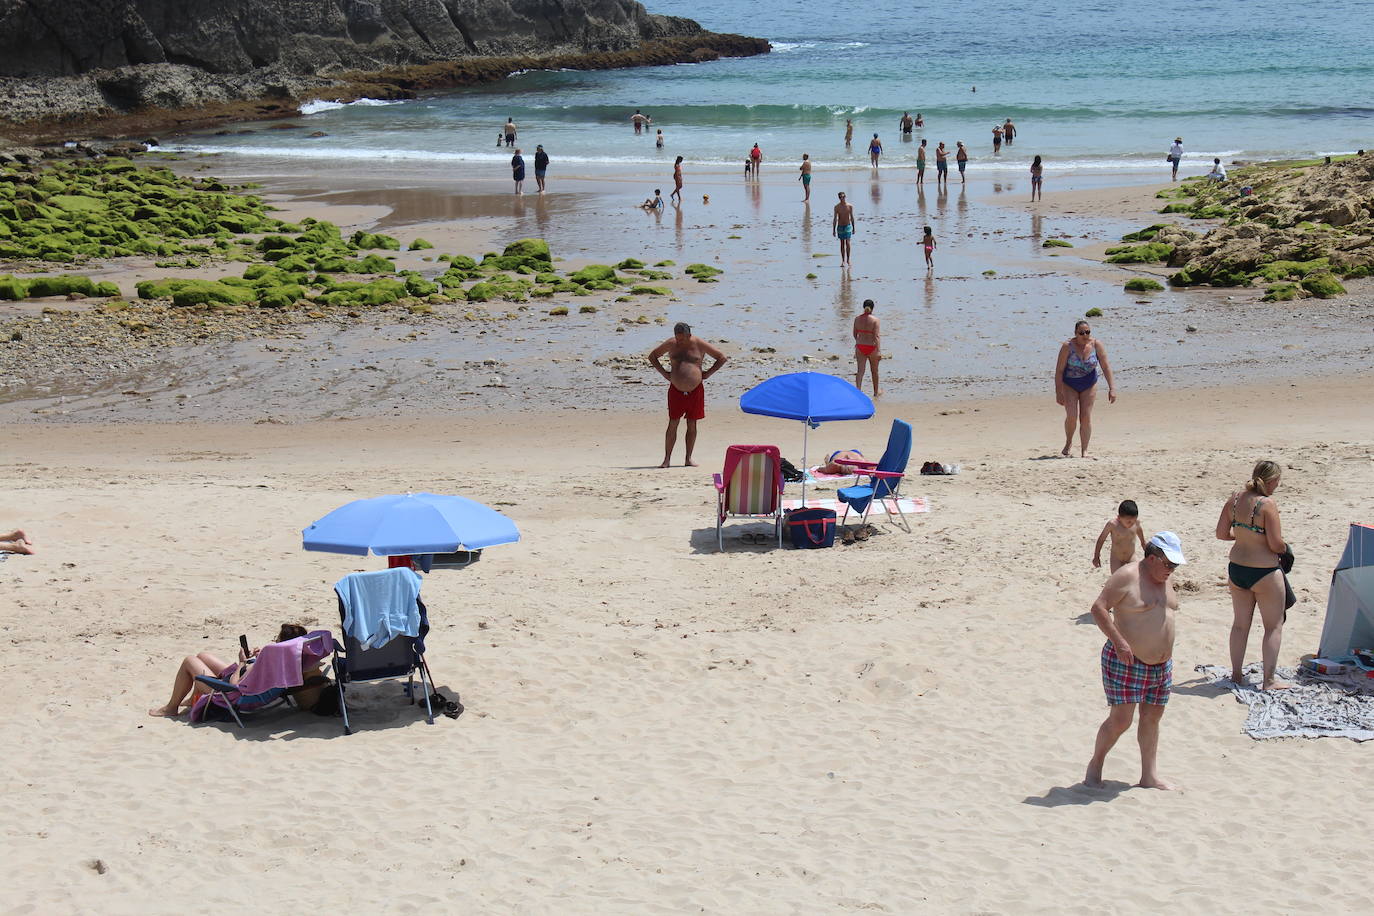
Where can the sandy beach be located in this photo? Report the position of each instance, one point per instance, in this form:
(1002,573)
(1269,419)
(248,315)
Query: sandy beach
(899,725)
(651,726)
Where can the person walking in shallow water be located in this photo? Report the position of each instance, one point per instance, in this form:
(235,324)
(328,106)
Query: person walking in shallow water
(875,149)
(842,227)
(848,131)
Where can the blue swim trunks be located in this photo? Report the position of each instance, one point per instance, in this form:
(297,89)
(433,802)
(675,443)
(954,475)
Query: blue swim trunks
(806,178)
(846,231)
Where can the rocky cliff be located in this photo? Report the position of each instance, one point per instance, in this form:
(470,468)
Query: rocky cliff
(78,60)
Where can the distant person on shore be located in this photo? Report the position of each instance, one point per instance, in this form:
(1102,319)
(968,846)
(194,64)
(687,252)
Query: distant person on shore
(997,138)
(875,149)
(653,203)
(867,347)
(1176,156)
(1218,172)
(961,159)
(1250,518)
(756,157)
(686,384)
(517,167)
(928,246)
(842,227)
(1037,171)
(1124,530)
(509,132)
(1135,611)
(638,120)
(658,140)
(541,166)
(16,542)
(920,121)
(1008,131)
(848,131)
(921,162)
(941,164)
(806,176)
(677,180)
(1075,383)
(906,123)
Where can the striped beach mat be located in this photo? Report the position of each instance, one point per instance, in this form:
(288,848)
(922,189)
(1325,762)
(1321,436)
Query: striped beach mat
(908,504)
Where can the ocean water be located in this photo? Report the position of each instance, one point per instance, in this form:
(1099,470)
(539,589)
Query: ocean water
(1093,85)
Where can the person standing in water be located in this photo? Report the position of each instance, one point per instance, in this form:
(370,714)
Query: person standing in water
(756,157)
(875,149)
(961,159)
(1008,131)
(997,138)
(1037,171)
(941,164)
(867,347)
(658,141)
(677,181)
(638,120)
(806,176)
(509,131)
(921,162)
(906,124)
(848,131)
(842,227)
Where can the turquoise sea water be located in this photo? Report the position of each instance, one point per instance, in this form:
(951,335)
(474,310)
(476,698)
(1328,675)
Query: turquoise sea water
(1093,86)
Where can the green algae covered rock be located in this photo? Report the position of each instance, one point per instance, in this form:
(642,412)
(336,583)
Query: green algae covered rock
(482,292)
(650,291)
(62,286)
(1056,243)
(375,264)
(1322,284)
(13,288)
(1143,285)
(1283,292)
(459,261)
(603,285)
(1177,207)
(1144,235)
(382,291)
(529,249)
(630,264)
(1139,254)
(420,245)
(594,272)
(1275,271)
(367,240)
(417,285)
(280,297)
(702,273)
(559,310)
(650,274)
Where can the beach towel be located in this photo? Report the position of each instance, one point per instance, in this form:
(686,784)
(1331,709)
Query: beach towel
(379,606)
(909,504)
(818,476)
(278,665)
(1317,706)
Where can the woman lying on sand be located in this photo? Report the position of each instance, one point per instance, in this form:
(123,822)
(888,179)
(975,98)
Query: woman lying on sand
(15,542)
(186,688)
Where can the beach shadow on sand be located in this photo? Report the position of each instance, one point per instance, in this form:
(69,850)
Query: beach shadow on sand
(758,538)
(1201,687)
(372,708)
(1078,794)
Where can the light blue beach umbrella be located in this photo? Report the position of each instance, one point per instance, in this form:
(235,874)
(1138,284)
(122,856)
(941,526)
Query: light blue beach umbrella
(812,397)
(415,523)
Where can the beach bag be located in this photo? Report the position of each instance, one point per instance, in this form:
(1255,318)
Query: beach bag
(790,472)
(812,528)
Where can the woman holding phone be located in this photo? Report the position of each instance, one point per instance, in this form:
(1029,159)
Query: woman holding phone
(185,688)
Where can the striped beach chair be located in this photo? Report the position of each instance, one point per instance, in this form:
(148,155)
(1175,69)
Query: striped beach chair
(749,487)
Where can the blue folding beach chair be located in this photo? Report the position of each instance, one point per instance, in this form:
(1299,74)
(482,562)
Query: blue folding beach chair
(399,656)
(884,478)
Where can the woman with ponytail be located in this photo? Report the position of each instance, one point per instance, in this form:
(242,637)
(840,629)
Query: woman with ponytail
(1250,518)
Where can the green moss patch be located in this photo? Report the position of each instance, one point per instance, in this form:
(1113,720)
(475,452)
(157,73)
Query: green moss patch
(1143,285)
(1323,285)
(1139,254)
(1282,292)
(702,273)
(1056,243)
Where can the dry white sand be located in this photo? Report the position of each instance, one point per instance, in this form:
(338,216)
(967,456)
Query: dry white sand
(653,727)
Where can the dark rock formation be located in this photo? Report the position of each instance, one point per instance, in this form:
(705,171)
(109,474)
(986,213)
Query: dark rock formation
(76,61)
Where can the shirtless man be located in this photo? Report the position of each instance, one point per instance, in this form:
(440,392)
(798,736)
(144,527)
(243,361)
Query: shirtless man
(848,131)
(842,227)
(906,124)
(1136,612)
(686,384)
(509,131)
(638,120)
(806,176)
(867,346)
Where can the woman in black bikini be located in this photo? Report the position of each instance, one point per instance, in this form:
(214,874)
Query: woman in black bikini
(1251,519)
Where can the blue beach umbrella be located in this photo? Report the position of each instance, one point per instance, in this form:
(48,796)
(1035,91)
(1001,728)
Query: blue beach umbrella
(410,524)
(811,397)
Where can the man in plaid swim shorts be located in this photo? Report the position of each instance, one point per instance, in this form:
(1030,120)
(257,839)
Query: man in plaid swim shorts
(1136,612)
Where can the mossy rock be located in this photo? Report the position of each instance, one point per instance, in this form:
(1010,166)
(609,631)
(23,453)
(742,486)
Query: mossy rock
(420,245)
(650,291)
(1189,275)
(79,203)
(208,292)
(666,264)
(1143,285)
(542,292)
(275,243)
(460,261)
(594,272)
(376,264)
(280,297)
(369,240)
(1140,254)
(382,291)
(603,285)
(587,310)
(1210,211)
(419,286)
(1093,313)
(12,287)
(1178,207)
(63,286)
(650,274)
(482,292)
(1056,243)
(559,310)
(1322,284)
(1275,271)
(630,264)
(703,273)
(1144,235)
(1282,292)
(547,277)
(529,249)
(1357,272)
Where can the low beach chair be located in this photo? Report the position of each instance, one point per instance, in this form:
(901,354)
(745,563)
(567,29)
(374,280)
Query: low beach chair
(402,654)
(885,478)
(274,678)
(749,487)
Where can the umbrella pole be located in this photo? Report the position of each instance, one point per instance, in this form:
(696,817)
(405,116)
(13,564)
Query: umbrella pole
(806,430)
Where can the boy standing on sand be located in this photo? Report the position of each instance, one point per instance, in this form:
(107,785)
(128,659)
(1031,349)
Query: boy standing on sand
(842,227)
(686,384)
(1136,613)
(1124,530)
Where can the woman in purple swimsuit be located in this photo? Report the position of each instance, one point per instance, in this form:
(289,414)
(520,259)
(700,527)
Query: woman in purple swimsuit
(1075,380)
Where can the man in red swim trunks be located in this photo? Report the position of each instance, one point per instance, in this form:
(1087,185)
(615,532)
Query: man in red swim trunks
(686,384)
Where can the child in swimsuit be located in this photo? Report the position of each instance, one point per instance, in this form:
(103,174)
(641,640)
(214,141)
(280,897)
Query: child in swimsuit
(928,243)
(1124,530)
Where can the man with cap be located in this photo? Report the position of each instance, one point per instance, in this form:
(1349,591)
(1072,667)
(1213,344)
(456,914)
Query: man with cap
(541,166)
(1176,155)
(1136,612)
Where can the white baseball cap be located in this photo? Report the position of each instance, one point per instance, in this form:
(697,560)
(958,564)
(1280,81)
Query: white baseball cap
(1169,544)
